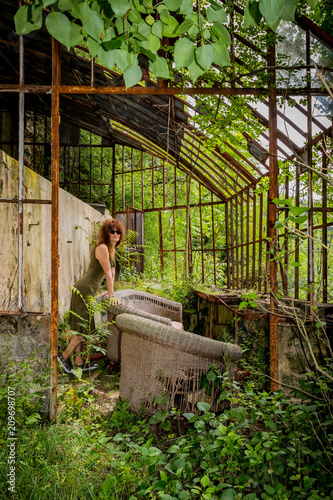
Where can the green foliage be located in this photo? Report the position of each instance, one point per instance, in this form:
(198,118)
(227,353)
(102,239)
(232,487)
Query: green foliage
(129,28)
(29,381)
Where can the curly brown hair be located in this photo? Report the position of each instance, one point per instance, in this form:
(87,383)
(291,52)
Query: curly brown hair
(104,233)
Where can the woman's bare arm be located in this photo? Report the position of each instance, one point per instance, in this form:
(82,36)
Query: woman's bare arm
(102,254)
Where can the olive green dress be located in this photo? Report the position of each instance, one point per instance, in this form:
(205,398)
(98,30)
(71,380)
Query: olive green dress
(88,286)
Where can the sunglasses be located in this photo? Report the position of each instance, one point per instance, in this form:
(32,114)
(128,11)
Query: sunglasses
(112,231)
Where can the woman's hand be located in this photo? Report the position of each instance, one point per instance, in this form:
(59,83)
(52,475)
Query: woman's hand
(114,301)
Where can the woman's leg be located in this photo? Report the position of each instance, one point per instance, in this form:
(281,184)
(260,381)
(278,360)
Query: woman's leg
(74,346)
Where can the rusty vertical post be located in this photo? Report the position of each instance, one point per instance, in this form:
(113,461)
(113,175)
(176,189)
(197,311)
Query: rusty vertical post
(102,159)
(123,178)
(324,230)
(56,80)
(128,236)
(92,72)
(20,173)
(272,216)
(310,182)
(236,244)
(163,179)
(201,238)
(261,198)
(242,241)
(297,240)
(174,242)
(79,172)
(254,234)
(232,244)
(213,236)
(247,239)
(113,180)
(90,169)
(227,251)
(152,183)
(132,175)
(142,184)
(161,238)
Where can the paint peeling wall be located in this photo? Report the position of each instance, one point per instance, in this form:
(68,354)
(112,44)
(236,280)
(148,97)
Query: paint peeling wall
(77,221)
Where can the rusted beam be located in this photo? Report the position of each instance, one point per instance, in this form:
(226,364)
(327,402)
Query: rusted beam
(20,174)
(56,79)
(227,244)
(161,238)
(310,183)
(272,217)
(140,90)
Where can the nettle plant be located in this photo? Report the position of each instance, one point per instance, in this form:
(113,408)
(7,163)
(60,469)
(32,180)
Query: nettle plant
(118,31)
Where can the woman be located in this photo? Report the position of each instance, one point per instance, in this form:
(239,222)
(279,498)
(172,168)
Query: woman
(102,263)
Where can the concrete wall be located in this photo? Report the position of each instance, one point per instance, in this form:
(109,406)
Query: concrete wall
(74,248)
(24,336)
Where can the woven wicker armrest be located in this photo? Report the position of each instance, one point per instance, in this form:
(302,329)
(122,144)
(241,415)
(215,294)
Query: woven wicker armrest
(151,303)
(177,339)
(121,309)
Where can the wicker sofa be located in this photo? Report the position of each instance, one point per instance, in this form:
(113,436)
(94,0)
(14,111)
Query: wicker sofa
(141,304)
(157,358)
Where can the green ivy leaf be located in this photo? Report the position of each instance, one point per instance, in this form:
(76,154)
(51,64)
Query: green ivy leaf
(204,56)
(300,220)
(143,28)
(188,416)
(252,15)
(85,13)
(46,3)
(221,54)
(185,26)
(93,47)
(164,13)
(280,201)
(150,20)
(271,10)
(153,43)
(95,26)
(107,57)
(22,25)
(132,75)
(228,494)
(134,16)
(159,67)
(157,29)
(242,305)
(221,32)
(172,4)
(166,425)
(288,12)
(184,53)
(112,44)
(195,70)
(205,481)
(320,324)
(124,59)
(298,210)
(216,15)
(295,264)
(119,7)
(194,30)
(186,7)
(139,6)
(205,407)
(66,4)
(170,30)
(119,24)
(59,26)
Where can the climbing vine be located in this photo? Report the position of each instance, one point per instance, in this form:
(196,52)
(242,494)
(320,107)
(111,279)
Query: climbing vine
(171,34)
